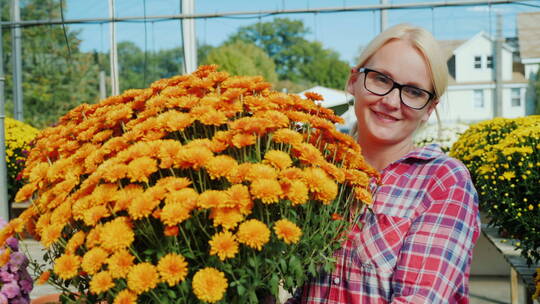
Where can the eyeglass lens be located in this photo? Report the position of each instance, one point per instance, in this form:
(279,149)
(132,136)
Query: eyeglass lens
(380,84)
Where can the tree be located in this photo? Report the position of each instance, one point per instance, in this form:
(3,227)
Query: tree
(240,58)
(55,78)
(296,58)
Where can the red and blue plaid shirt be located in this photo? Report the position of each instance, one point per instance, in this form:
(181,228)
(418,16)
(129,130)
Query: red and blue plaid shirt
(416,246)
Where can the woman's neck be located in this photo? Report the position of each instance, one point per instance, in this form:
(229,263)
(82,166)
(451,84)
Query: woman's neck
(380,155)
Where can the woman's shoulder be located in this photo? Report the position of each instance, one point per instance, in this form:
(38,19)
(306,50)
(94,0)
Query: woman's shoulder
(441,165)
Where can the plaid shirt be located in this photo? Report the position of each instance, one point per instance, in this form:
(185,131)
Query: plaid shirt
(416,246)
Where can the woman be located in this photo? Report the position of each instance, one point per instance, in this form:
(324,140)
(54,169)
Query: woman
(416,246)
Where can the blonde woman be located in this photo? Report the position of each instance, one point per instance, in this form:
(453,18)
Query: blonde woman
(416,246)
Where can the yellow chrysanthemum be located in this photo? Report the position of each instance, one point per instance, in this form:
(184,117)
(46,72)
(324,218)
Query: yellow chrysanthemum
(120,263)
(172,268)
(174,213)
(51,234)
(278,159)
(239,195)
(224,245)
(261,171)
(287,231)
(101,282)
(93,260)
(125,297)
(142,277)
(267,190)
(287,136)
(116,234)
(209,284)
(92,216)
(253,233)
(94,237)
(75,242)
(67,266)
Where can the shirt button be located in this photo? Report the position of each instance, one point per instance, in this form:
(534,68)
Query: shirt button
(336,281)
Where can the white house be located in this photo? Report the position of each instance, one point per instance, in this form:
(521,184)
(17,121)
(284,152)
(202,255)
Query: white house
(471,85)
(528,30)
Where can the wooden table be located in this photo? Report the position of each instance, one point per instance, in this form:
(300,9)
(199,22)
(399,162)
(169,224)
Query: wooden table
(522,284)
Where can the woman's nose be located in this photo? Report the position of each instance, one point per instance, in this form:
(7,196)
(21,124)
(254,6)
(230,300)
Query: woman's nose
(392,99)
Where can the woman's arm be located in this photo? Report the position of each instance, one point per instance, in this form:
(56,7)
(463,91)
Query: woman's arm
(434,263)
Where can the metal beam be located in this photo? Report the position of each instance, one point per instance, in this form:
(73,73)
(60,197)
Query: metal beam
(359,8)
(17,62)
(4,204)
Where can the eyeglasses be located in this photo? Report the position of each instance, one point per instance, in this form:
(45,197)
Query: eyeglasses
(380,84)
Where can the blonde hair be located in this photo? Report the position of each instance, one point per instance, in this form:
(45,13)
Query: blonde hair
(424,41)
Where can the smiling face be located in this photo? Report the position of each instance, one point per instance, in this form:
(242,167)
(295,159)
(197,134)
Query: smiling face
(384,120)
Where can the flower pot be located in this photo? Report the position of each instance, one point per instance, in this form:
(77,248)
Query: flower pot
(47,299)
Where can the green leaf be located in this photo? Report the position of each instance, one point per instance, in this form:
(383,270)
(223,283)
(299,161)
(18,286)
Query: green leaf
(274,284)
(241,290)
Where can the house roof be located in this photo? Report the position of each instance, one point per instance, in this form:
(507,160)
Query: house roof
(332,97)
(449,46)
(517,77)
(528,33)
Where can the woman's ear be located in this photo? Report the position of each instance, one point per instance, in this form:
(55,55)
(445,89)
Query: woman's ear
(350,83)
(430,107)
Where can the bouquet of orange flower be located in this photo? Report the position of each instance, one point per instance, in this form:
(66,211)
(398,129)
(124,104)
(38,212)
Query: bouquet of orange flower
(203,187)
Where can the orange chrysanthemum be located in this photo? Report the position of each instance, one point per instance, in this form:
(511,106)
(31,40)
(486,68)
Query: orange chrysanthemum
(125,297)
(363,195)
(92,216)
(142,277)
(172,268)
(220,166)
(125,196)
(295,191)
(224,245)
(120,263)
(309,154)
(4,256)
(93,260)
(101,282)
(287,231)
(214,199)
(193,157)
(313,96)
(261,171)
(43,277)
(228,218)
(117,234)
(213,118)
(209,284)
(241,140)
(140,169)
(239,195)
(278,159)
(67,266)
(267,190)
(174,213)
(253,233)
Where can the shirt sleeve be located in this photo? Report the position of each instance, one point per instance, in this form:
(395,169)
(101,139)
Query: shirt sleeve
(434,263)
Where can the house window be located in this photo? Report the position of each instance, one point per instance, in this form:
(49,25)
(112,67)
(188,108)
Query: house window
(489,62)
(478,98)
(516,97)
(477,62)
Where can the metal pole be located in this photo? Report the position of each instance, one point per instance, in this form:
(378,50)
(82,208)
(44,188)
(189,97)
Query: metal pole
(17,62)
(113,51)
(498,100)
(4,204)
(358,8)
(383,15)
(188,37)
(102,85)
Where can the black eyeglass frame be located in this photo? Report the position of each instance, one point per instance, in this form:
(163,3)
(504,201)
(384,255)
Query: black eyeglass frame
(397,85)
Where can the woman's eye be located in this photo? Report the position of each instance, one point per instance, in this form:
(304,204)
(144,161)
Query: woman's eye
(382,79)
(414,92)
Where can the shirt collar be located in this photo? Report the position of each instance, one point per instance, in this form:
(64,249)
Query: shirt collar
(428,152)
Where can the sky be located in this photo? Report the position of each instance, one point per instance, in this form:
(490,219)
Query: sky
(344,32)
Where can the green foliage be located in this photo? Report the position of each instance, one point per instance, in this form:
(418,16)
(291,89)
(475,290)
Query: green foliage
(54,79)
(503,156)
(241,58)
(296,58)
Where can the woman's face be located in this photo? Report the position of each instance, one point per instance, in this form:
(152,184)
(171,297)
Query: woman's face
(384,119)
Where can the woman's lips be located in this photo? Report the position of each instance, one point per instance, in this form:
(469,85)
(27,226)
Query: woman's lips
(384,117)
